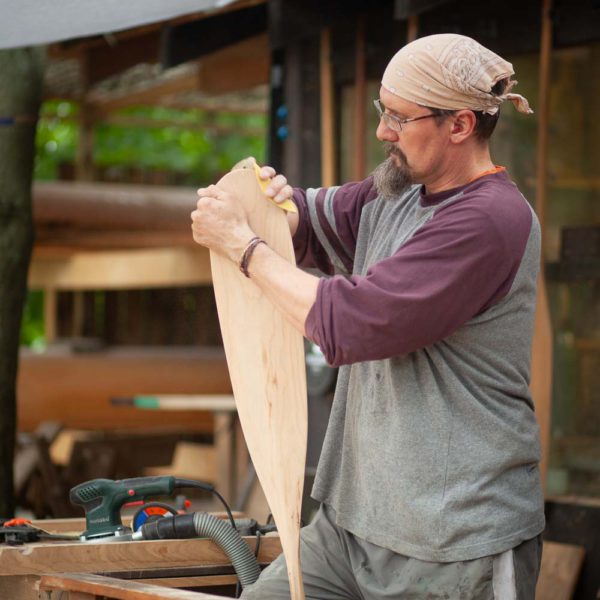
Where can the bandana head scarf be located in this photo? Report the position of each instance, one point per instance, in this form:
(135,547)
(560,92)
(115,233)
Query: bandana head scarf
(451,72)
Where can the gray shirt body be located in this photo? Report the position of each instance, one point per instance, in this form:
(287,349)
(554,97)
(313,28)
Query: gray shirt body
(432,447)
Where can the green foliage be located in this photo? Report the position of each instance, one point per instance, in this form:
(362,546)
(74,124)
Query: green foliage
(198,146)
(32,327)
(56,139)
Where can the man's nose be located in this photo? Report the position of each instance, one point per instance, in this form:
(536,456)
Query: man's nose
(385,134)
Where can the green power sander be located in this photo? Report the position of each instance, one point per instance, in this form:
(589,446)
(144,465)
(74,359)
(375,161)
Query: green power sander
(102,500)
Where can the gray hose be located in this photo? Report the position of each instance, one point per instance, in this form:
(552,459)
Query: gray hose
(228,539)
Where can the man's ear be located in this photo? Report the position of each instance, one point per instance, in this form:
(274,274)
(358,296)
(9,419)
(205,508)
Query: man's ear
(462,126)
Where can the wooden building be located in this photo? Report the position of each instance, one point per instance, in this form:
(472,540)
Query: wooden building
(313,68)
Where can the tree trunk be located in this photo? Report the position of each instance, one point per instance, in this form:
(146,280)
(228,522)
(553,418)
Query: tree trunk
(21,76)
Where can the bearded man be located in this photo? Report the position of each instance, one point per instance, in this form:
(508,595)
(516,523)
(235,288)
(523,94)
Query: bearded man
(428,479)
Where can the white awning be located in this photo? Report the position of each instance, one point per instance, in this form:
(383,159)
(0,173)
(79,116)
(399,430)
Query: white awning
(34,22)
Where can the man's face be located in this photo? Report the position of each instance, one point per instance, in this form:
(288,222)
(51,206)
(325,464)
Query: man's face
(415,153)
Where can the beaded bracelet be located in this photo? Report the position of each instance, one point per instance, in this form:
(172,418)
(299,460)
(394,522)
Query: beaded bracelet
(247,253)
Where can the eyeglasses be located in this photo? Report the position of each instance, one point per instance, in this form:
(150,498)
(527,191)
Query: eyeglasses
(393,122)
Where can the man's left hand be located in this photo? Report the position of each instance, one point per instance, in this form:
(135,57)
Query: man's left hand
(220,223)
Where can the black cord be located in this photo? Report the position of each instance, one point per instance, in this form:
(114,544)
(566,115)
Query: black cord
(207,487)
(257,548)
(228,510)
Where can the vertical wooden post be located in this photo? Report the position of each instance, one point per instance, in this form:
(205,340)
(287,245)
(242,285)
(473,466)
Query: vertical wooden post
(50,305)
(360,108)
(84,161)
(327,122)
(223,436)
(543,111)
(78,314)
(412,28)
(541,360)
(84,171)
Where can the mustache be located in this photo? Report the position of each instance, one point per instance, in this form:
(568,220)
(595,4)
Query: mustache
(391,150)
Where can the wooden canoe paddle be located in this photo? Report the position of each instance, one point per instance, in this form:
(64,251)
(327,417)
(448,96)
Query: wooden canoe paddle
(265,356)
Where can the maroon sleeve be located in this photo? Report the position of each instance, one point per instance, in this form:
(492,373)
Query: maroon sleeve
(457,265)
(328,224)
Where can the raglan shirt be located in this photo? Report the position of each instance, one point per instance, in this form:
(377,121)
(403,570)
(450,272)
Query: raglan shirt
(432,446)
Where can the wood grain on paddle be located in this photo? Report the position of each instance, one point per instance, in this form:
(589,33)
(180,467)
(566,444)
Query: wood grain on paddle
(265,355)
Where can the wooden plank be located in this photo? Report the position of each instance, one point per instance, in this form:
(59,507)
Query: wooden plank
(76,526)
(541,361)
(69,526)
(239,67)
(327,118)
(122,269)
(541,372)
(561,565)
(576,520)
(211,402)
(19,588)
(192,461)
(224,71)
(412,31)
(53,241)
(75,388)
(186,80)
(265,355)
(96,586)
(93,557)
(76,595)
(104,206)
(191,582)
(108,59)
(543,111)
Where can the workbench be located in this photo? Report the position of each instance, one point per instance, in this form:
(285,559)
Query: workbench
(193,563)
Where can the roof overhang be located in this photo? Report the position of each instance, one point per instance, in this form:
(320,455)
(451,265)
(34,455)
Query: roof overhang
(35,22)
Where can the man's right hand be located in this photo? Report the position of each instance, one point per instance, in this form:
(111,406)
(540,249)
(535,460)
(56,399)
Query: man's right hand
(280,191)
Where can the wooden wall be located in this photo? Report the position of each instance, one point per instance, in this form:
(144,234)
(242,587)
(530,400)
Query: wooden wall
(76,388)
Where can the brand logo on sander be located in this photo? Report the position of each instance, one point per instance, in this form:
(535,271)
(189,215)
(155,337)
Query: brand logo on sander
(101,520)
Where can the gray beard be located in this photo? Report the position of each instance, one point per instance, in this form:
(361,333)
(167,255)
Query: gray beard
(390,179)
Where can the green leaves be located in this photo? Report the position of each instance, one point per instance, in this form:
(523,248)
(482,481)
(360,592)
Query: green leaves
(197,145)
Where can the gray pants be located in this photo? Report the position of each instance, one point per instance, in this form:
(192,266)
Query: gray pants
(337,565)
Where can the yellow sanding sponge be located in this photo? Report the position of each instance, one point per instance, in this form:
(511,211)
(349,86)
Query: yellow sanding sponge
(250,163)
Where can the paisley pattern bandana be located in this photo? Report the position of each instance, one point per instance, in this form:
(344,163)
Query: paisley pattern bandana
(451,72)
